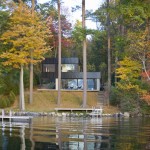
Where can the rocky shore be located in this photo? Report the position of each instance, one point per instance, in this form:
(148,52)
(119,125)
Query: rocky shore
(68,114)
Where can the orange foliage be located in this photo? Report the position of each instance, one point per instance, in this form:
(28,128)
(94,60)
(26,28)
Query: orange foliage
(146,98)
(143,74)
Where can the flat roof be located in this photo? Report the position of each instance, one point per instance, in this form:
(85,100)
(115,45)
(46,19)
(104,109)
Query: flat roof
(79,75)
(70,60)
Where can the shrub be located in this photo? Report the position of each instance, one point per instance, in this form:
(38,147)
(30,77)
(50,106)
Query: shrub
(127,101)
(3,102)
(12,97)
(7,101)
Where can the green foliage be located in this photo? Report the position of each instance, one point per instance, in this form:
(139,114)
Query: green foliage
(3,102)
(4,18)
(12,97)
(145,109)
(127,101)
(79,33)
(7,100)
(91,67)
(115,96)
(9,81)
(97,50)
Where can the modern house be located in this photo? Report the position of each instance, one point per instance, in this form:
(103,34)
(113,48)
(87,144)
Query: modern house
(71,77)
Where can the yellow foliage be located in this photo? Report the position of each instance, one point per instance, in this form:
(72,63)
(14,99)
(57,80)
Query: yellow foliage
(27,33)
(128,72)
(128,69)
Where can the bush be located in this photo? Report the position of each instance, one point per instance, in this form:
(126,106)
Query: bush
(3,102)
(127,101)
(12,97)
(115,96)
(7,101)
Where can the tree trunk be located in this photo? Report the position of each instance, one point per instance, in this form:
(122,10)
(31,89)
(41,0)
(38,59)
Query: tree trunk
(31,64)
(31,80)
(22,103)
(109,53)
(145,70)
(59,56)
(84,58)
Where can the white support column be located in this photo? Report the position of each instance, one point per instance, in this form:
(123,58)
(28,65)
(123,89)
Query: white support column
(56,83)
(98,84)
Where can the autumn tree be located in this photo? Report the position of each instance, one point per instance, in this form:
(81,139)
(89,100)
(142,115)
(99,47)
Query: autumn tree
(128,72)
(50,13)
(24,34)
(129,87)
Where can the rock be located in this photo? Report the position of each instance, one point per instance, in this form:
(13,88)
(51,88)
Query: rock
(64,114)
(126,114)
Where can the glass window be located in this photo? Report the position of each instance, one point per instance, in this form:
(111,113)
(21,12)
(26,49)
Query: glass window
(48,68)
(68,67)
(80,84)
(77,84)
(69,84)
(91,84)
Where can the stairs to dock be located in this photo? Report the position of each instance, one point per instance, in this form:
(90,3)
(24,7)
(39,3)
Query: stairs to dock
(101,99)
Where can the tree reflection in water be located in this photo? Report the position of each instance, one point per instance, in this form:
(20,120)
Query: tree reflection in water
(65,133)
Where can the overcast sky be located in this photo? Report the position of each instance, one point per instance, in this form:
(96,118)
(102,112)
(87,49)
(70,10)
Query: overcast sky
(73,16)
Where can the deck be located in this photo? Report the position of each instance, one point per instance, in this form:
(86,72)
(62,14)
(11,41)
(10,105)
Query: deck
(12,118)
(75,109)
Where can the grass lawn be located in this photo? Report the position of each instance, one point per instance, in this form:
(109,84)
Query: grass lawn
(46,100)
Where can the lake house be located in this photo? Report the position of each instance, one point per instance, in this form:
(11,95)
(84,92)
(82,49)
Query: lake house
(71,76)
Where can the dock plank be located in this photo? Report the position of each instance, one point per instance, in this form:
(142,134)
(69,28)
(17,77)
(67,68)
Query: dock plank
(15,118)
(74,109)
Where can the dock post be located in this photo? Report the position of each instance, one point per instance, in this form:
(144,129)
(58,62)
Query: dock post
(10,115)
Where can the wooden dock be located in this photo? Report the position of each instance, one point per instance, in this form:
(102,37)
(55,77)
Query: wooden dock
(14,118)
(75,109)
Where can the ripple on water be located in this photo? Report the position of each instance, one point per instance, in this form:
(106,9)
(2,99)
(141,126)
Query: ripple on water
(77,133)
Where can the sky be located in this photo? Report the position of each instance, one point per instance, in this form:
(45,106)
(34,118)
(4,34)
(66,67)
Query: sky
(73,16)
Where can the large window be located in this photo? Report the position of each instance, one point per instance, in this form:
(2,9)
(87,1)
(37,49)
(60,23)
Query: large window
(91,84)
(48,68)
(77,84)
(68,67)
(80,84)
(69,84)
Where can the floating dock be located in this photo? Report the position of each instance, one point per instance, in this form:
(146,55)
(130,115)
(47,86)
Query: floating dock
(77,109)
(13,118)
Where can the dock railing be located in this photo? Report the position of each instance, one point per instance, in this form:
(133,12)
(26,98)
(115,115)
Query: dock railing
(12,117)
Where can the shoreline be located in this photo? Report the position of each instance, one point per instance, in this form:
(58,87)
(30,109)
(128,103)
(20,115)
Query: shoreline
(71,114)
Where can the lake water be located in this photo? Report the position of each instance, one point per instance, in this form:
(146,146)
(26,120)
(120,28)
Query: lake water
(50,133)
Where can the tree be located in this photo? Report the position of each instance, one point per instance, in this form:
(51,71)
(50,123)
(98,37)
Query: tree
(129,88)
(50,13)
(31,64)
(84,58)
(139,49)
(108,52)
(59,56)
(25,34)
(128,72)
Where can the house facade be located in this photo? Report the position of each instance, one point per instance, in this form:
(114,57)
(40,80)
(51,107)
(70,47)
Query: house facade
(71,77)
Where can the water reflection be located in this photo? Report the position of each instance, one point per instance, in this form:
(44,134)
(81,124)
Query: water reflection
(45,133)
